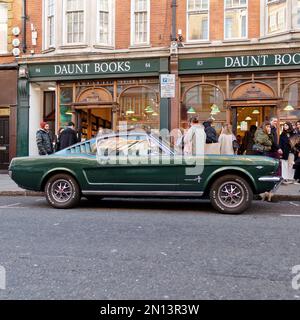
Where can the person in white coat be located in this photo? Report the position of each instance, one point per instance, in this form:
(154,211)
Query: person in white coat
(194,139)
(226,139)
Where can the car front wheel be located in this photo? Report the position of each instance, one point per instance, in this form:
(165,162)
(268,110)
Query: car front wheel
(62,191)
(231,194)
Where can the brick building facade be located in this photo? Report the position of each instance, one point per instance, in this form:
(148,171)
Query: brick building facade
(10,18)
(99,62)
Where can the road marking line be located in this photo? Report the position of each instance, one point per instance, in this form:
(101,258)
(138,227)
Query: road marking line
(295,204)
(291,215)
(10,205)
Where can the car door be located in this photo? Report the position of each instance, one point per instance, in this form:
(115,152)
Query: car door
(131,162)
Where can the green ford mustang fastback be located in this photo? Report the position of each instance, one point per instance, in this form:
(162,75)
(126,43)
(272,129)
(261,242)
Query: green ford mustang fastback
(138,164)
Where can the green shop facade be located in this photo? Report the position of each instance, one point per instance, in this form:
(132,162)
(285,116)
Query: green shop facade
(242,90)
(93,94)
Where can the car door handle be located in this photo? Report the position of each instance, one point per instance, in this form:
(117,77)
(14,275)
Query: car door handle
(198,179)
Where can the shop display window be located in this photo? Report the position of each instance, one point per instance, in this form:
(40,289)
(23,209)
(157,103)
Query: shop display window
(205,102)
(139,105)
(290,108)
(66,99)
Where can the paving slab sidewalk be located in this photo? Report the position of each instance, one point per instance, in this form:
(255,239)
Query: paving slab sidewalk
(8,187)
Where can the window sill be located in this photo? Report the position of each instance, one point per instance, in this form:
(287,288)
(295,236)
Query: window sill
(48,50)
(275,35)
(246,40)
(73,46)
(6,54)
(196,42)
(142,46)
(99,46)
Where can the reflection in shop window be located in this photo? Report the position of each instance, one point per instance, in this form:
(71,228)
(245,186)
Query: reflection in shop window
(139,107)
(290,109)
(235,19)
(66,99)
(205,102)
(277,11)
(197,19)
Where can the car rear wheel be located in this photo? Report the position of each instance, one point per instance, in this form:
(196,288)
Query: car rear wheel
(62,191)
(231,194)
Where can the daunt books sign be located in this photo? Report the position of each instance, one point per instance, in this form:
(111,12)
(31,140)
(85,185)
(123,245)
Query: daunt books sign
(94,69)
(232,63)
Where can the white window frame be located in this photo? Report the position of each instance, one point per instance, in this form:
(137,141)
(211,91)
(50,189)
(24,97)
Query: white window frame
(4,21)
(267,2)
(187,22)
(247,18)
(297,25)
(65,27)
(47,44)
(132,40)
(111,24)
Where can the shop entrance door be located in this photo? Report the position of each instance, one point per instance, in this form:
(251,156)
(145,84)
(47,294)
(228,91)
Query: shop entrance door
(244,117)
(4,143)
(91,118)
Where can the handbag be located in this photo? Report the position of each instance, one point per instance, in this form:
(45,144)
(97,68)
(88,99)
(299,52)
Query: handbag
(258,148)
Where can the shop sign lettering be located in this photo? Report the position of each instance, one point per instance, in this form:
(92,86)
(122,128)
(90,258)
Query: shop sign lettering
(96,69)
(87,68)
(262,60)
(240,62)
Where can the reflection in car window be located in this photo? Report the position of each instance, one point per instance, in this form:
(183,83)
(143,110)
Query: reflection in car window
(123,146)
(131,145)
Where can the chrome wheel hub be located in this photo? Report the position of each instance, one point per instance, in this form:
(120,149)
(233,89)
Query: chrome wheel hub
(62,190)
(231,194)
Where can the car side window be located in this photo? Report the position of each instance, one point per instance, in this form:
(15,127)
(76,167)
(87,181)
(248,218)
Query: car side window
(123,146)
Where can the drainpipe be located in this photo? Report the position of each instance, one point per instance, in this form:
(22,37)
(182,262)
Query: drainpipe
(174,33)
(24,18)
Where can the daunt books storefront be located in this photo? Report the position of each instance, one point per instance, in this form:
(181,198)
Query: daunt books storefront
(94,95)
(243,90)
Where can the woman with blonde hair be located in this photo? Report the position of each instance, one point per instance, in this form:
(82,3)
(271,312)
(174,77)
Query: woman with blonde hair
(226,140)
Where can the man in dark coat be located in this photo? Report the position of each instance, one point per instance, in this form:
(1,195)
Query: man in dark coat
(211,134)
(68,136)
(44,140)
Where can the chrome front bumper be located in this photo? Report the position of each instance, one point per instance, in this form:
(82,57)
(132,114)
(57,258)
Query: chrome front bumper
(270,179)
(274,179)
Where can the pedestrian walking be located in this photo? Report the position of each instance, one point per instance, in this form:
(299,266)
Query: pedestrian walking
(195,138)
(263,139)
(226,140)
(295,144)
(68,136)
(287,158)
(57,139)
(210,131)
(44,139)
(297,128)
(248,141)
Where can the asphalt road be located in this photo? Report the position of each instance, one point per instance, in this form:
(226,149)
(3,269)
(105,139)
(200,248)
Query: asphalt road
(147,250)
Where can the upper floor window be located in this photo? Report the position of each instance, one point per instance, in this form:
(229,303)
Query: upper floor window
(235,19)
(75,21)
(3,28)
(49,23)
(140,22)
(277,11)
(197,20)
(298,14)
(105,22)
